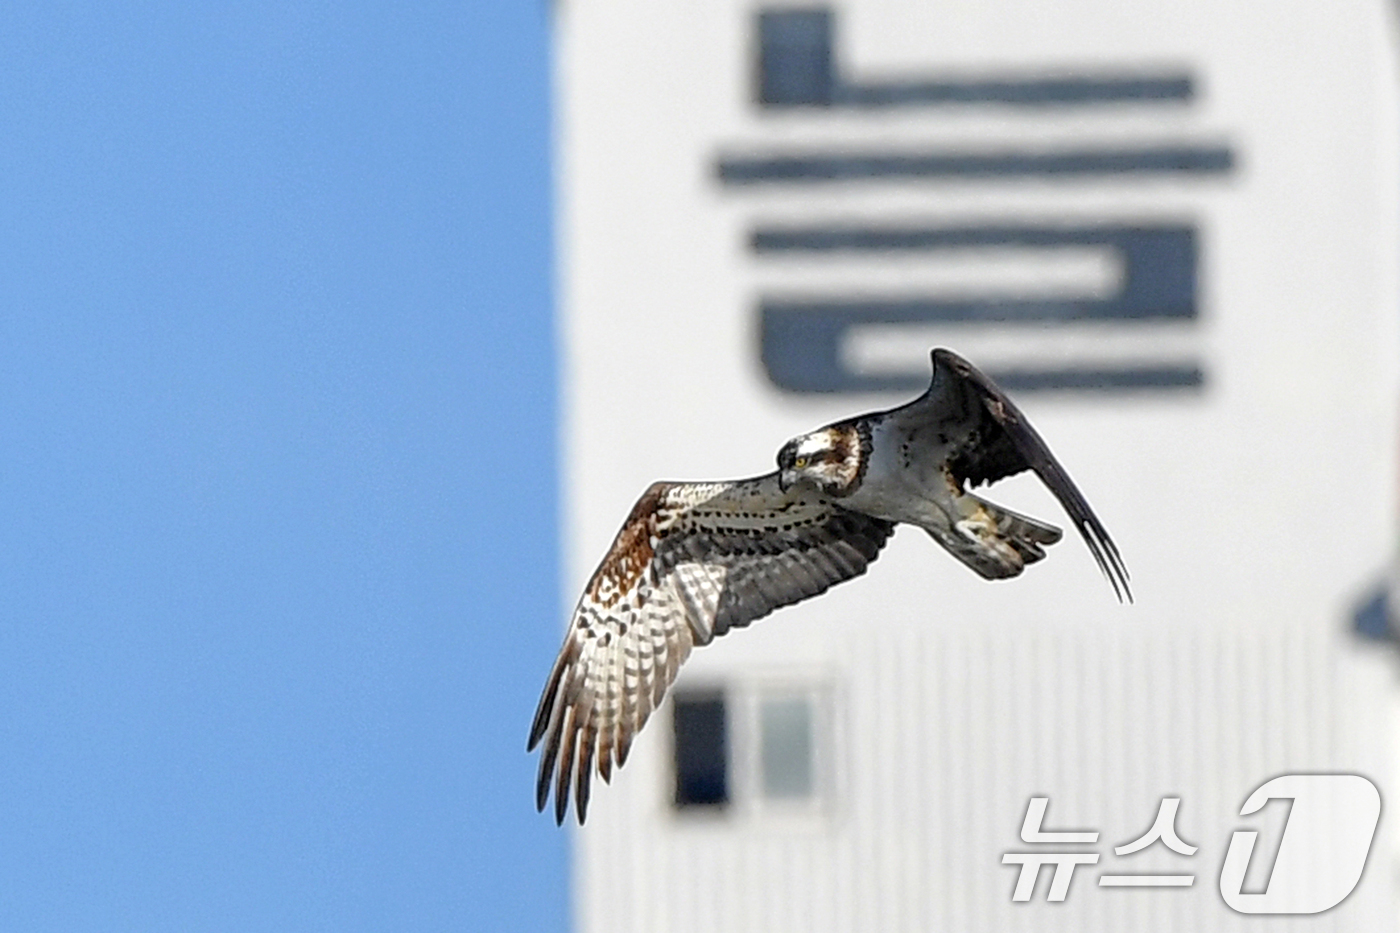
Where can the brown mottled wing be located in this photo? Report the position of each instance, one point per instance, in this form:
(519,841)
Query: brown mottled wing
(990,438)
(692,561)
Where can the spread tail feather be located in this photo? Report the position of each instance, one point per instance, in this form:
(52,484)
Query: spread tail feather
(994,541)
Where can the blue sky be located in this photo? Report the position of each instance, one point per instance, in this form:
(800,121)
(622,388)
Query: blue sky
(278,559)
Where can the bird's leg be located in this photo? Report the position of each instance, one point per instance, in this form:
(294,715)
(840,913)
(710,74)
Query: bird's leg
(974,521)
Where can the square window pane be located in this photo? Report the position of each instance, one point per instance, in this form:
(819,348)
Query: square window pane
(785,731)
(701,747)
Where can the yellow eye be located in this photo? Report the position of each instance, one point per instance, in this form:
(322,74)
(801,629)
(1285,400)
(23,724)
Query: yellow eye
(800,463)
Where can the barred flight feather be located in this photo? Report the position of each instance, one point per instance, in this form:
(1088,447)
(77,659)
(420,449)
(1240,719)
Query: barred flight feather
(693,561)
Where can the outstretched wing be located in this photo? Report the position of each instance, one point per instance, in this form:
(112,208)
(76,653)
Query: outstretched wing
(692,561)
(989,438)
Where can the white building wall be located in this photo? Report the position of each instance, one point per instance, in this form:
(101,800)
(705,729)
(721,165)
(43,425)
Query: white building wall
(1253,512)
(947,734)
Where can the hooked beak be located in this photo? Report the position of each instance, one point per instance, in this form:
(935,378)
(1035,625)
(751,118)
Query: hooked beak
(785,479)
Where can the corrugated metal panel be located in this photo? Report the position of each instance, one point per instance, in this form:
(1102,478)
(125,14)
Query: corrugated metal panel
(943,737)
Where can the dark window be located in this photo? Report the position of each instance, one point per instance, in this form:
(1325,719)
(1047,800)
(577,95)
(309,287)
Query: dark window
(702,751)
(794,58)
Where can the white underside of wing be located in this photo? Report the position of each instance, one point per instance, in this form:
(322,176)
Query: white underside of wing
(699,587)
(693,561)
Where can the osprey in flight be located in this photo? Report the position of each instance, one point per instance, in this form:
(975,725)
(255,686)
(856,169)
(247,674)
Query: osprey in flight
(695,560)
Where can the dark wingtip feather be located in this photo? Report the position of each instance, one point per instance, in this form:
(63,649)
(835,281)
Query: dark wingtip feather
(548,725)
(582,780)
(548,757)
(545,709)
(565,771)
(1107,557)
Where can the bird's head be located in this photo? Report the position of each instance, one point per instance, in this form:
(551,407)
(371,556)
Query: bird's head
(831,459)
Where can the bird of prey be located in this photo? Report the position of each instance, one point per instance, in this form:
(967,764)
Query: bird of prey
(694,560)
